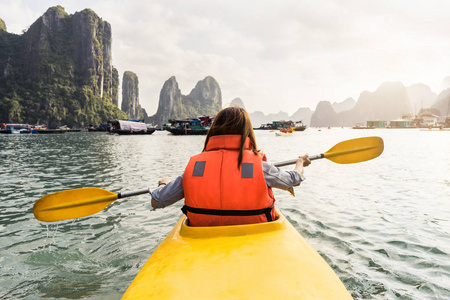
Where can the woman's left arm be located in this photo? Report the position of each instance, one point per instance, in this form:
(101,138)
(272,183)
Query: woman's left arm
(168,192)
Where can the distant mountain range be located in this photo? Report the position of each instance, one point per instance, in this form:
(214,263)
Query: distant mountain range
(391,100)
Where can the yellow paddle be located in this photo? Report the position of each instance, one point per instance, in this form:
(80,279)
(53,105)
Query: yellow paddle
(83,202)
(72,204)
(348,152)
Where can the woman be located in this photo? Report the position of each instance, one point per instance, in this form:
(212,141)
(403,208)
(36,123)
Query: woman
(230,182)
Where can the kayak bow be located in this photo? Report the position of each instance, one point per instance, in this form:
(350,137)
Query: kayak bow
(265,260)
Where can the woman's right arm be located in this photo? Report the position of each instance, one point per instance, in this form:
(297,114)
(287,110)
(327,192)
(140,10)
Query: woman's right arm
(283,179)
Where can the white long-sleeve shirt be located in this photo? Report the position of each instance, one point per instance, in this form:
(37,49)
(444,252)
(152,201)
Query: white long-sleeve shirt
(275,178)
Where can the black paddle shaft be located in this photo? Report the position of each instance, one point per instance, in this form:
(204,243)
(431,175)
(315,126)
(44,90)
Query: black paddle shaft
(129,194)
(293,161)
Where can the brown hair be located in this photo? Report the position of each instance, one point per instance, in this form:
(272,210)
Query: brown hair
(233,120)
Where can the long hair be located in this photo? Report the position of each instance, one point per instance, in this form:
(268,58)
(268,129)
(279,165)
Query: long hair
(233,120)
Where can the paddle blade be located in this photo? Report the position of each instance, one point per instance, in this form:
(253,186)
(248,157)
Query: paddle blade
(72,204)
(356,150)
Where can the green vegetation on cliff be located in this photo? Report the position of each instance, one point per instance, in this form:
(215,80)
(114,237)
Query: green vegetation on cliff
(204,99)
(59,71)
(2,25)
(130,96)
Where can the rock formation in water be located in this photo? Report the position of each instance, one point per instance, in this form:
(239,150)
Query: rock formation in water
(445,84)
(324,115)
(259,118)
(204,99)
(347,104)
(238,102)
(59,71)
(420,96)
(389,102)
(303,114)
(130,96)
(442,103)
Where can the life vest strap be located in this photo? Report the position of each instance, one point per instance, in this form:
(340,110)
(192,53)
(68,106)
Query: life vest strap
(217,212)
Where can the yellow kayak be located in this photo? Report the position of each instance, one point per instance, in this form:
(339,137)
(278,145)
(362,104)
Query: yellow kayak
(284,133)
(256,261)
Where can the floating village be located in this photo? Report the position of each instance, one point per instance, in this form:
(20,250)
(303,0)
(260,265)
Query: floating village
(424,120)
(200,126)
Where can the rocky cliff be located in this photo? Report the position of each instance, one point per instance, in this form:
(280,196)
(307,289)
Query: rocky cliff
(390,101)
(238,102)
(59,71)
(2,25)
(204,99)
(442,103)
(324,115)
(130,95)
(347,104)
(420,96)
(303,114)
(259,118)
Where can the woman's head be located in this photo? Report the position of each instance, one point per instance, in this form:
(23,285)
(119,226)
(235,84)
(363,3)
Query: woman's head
(233,120)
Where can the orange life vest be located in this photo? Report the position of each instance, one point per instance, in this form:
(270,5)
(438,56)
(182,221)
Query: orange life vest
(218,193)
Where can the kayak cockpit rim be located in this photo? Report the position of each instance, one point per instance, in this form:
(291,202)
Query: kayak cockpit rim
(233,230)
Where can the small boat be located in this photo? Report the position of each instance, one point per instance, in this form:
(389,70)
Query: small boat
(193,126)
(435,129)
(253,261)
(129,132)
(15,128)
(68,129)
(279,133)
(299,126)
(359,126)
(50,131)
(123,127)
(103,127)
(188,131)
(287,131)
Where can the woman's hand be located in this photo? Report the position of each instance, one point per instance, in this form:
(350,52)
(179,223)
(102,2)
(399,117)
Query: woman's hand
(163,181)
(303,161)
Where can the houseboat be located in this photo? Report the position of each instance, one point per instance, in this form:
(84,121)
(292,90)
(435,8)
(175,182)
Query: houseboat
(15,128)
(125,127)
(401,123)
(279,125)
(192,126)
(376,124)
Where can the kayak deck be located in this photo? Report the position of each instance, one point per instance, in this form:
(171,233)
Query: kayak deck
(265,260)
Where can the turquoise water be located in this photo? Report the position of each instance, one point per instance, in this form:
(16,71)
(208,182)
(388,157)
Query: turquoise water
(383,225)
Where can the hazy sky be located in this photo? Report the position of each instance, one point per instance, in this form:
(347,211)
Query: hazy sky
(274,55)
